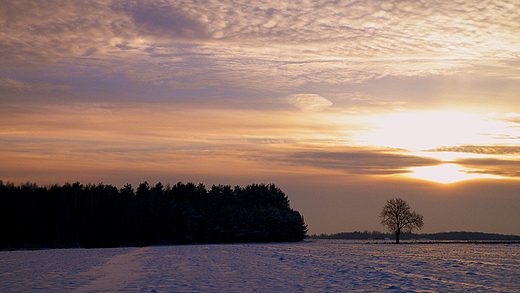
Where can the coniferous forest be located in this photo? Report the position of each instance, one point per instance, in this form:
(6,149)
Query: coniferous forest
(77,215)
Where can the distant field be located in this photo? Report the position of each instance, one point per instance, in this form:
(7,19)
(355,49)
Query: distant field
(310,266)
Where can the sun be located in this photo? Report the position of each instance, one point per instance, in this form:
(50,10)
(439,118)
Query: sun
(445,173)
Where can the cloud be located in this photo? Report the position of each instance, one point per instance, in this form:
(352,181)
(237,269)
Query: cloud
(258,42)
(112,135)
(308,102)
(359,161)
(50,29)
(481,149)
(492,166)
(162,21)
(358,102)
(12,84)
(14,89)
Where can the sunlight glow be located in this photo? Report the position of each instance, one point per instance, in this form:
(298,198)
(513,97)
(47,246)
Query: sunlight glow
(445,174)
(429,130)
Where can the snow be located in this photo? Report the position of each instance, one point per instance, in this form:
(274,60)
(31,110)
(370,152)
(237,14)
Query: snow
(310,266)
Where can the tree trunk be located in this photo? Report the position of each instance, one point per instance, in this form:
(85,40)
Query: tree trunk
(397,237)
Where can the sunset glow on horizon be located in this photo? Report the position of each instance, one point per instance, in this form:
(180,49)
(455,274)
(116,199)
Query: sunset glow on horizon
(446,174)
(341,104)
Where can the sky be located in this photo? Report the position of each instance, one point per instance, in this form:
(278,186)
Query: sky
(342,104)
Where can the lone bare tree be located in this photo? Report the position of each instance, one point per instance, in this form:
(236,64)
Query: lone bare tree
(397,217)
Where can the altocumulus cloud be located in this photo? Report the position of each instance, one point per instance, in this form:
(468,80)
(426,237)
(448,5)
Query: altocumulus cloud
(286,43)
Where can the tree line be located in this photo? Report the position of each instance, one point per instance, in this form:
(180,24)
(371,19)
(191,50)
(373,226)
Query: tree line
(441,236)
(100,215)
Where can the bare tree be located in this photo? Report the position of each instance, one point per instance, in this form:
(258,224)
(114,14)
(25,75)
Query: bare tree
(397,217)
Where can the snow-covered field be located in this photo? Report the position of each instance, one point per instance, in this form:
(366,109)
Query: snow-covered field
(314,266)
